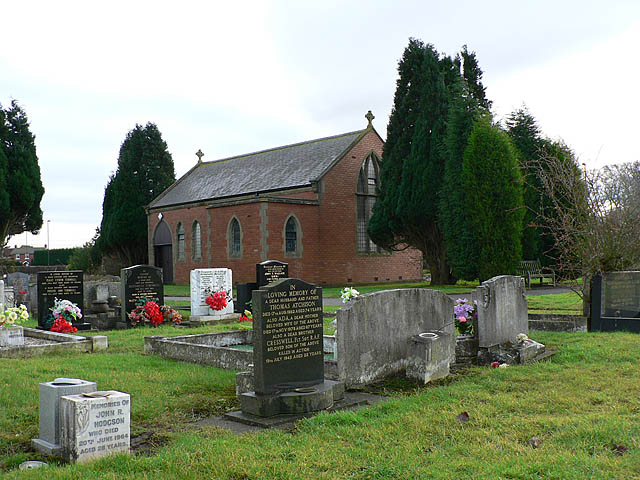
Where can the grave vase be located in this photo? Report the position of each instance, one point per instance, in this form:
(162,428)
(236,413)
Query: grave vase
(11,336)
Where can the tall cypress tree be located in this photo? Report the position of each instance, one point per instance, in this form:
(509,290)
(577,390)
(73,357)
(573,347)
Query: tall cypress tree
(492,182)
(413,160)
(145,169)
(461,247)
(21,187)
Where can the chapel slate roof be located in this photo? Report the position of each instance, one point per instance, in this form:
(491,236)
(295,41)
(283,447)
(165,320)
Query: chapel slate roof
(279,168)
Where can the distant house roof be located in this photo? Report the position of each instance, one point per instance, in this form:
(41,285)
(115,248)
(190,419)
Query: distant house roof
(279,168)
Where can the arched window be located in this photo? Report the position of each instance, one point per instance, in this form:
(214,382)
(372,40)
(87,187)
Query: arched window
(180,238)
(196,241)
(292,235)
(366,194)
(234,238)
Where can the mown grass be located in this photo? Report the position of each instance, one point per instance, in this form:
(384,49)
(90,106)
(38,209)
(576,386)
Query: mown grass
(569,303)
(581,404)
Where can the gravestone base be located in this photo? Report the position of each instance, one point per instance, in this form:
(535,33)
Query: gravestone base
(511,354)
(102,321)
(199,320)
(82,326)
(45,447)
(301,400)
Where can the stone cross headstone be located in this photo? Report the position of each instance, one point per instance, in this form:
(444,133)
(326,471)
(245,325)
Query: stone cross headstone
(502,310)
(204,282)
(20,283)
(137,283)
(270,271)
(50,394)
(94,425)
(64,285)
(287,336)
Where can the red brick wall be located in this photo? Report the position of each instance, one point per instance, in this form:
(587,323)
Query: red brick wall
(328,243)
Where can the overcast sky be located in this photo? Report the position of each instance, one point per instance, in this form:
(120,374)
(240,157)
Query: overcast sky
(236,77)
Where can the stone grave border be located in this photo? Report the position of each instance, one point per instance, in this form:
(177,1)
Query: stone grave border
(60,342)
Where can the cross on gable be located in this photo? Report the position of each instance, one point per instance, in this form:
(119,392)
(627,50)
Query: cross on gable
(369,116)
(199,154)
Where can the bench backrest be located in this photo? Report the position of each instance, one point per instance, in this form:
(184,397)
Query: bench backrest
(529,266)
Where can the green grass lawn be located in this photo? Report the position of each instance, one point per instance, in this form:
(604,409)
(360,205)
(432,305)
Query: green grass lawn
(581,404)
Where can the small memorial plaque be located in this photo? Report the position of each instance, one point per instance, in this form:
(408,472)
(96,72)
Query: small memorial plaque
(94,425)
(65,285)
(204,282)
(137,283)
(271,271)
(287,326)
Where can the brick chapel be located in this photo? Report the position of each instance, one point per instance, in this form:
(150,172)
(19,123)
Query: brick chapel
(306,204)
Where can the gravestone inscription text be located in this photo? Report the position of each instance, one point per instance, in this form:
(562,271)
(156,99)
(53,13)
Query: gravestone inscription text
(288,336)
(65,285)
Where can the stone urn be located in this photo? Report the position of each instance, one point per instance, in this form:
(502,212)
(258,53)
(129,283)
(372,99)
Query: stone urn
(100,306)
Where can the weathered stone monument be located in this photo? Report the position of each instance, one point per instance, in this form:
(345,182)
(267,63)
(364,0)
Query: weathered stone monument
(50,394)
(2,292)
(94,425)
(503,317)
(287,353)
(138,283)
(63,285)
(204,282)
(429,356)
(21,290)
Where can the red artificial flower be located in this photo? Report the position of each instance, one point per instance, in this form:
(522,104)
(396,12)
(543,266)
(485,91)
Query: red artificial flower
(153,313)
(62,326)
(22,292)
(495,364)
(217,301)
(244,318)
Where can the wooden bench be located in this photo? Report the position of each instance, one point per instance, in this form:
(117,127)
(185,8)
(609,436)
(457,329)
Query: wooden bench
(529,269)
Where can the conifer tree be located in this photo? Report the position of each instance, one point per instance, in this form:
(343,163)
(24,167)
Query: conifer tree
(145,169)
(21,187)
(492,182)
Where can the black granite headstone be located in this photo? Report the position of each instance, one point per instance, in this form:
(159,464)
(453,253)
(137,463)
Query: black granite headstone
(243,296)
(270,271)
(615,302)
(140,282)
(287,341)
(63,285)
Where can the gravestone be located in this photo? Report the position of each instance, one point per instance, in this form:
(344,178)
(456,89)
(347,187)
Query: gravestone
(20,283)
(137,283)
(204,282)
(95,425)
(270,271)
(287,352)
(266,272)
(63,285)
(502,310)
(615,302)
(50,394)
(2,292)
(9,297)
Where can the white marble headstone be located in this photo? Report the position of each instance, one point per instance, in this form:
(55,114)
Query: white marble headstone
(94,425)
(204,282)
